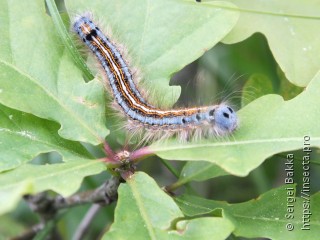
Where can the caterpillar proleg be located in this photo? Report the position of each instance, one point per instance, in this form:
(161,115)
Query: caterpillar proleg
(216,120)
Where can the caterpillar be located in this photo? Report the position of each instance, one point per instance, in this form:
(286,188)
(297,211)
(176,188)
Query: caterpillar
(216,120)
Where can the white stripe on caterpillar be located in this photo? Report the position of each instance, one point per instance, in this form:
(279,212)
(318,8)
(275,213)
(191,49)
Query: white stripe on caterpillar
(216,120)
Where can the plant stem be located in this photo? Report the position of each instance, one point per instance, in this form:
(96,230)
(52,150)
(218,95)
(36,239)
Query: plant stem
(84,225)
(140,154)
(47,207)
(105,194)
(170,168)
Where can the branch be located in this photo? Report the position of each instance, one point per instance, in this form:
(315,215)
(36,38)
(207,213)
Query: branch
(83,226)
(47,207)
(105,195)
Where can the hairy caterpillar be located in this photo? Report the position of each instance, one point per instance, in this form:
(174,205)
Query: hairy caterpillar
(216,120)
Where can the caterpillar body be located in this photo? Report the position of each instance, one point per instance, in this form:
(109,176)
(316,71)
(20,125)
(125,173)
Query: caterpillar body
(216,120)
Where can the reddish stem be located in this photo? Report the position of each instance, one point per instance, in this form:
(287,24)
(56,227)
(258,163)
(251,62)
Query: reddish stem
(108,150)
(140,153)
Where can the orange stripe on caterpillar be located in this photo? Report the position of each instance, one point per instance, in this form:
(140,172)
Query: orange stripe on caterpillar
(216,120)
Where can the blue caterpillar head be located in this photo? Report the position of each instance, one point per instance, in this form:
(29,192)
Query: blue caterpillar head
(225,119)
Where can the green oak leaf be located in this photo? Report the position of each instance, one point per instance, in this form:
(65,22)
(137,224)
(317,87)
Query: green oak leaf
(149,213)
(292,30)
(24,136)
(268,125)
(63,178)
(38,76)
(261,217)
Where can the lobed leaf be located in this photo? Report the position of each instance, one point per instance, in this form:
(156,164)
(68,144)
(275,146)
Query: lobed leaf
(23,137)
(63,178)
(37,74)
(262,217)
(292,30)
(268,125)
(149,213)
